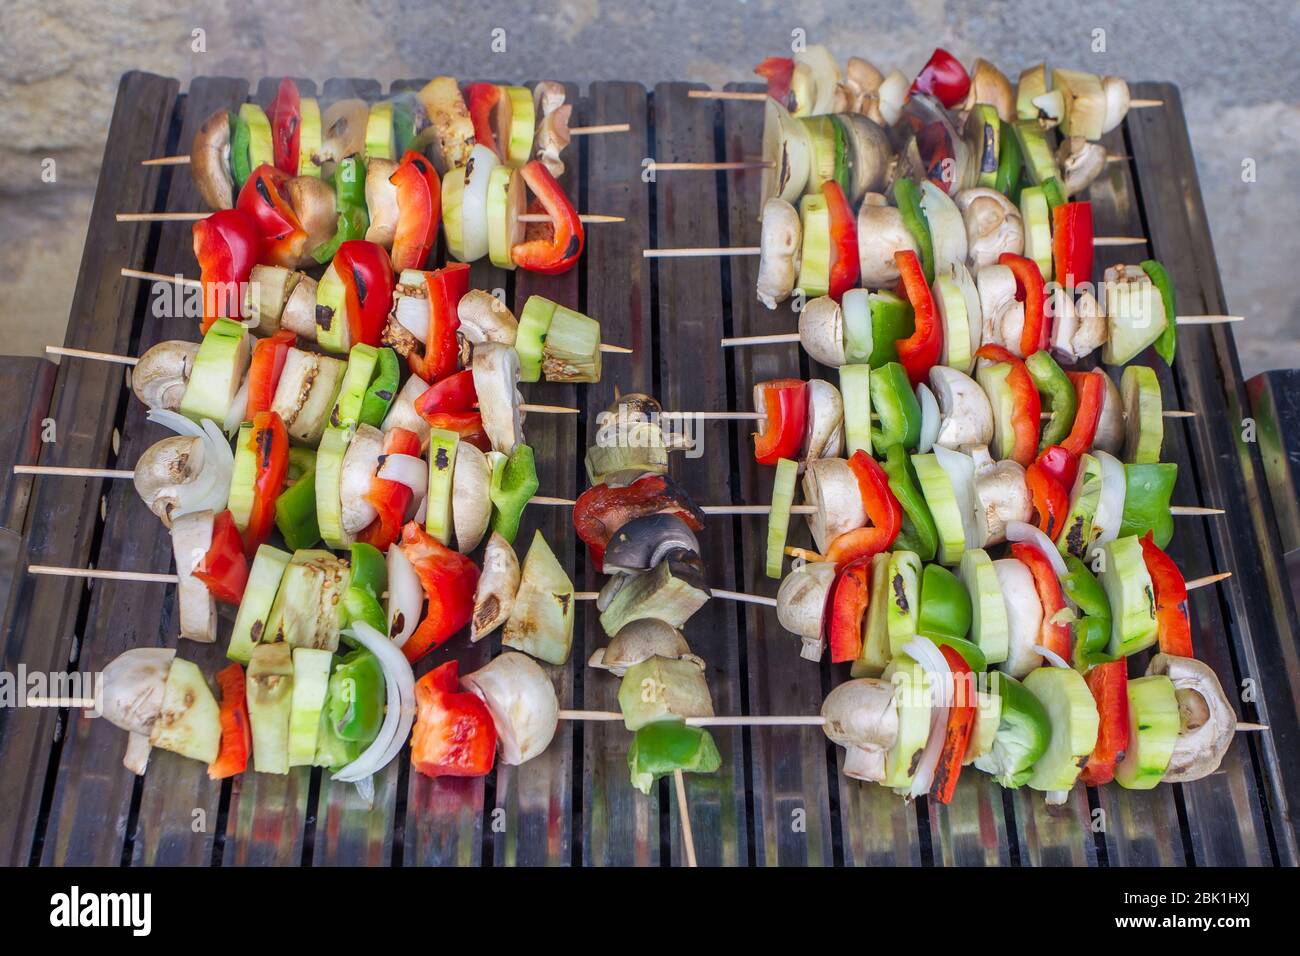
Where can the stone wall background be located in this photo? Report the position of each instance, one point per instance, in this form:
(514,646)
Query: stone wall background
(1235,61)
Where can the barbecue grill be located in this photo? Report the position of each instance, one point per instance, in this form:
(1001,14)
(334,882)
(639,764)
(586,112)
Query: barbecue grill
(779,797)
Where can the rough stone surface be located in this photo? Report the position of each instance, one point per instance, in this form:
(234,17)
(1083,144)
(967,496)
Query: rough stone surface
(59,63)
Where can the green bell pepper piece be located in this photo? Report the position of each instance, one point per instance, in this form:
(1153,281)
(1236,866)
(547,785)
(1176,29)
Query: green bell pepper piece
(366,584)
(1147,491)
(1168,340)
(908,197)
(945,605)
(668,745)
(1023,734)
(355,699)
(333,751)
(514,482)
(1053,193)
(1093,626)
(1010,163)
(379,395)
(891,321)
(240,139)
(295,509)
(1057,392)
(897,411)
(404,131)
(970,652)
(350,200)
(918,532)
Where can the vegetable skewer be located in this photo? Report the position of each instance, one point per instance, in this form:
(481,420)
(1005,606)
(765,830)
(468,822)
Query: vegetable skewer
(196,216)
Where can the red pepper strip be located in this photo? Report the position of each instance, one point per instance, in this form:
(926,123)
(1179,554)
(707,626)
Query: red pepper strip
(390,498)
(265,368)
(482,99)
(419,210)
(961,724)
(884,514)
(468,425)
(920,352)
(944,78)
(454,734)
(778,71)
(271,445)
(367,275)
(559,242)
(1173,626)
(283,240)
(1109,685)
(1053,635)
(226,245)
(445,287)
(601,510)
(1030,290)
(850,595)
(448,578)
(285,114)
(845,268)
(236,732)
(1072,243)
(1059,464)
(455,393)
(224,569)
(1026,404)
(1090,392)
(785,415)
(1051,500)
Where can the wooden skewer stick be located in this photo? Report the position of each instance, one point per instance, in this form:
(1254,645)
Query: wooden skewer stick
(195,216)
(1194,510)
(748,96)
(97,574)
(715,592)
(1209,579)
(68,472)
(1144,104)
(1250,728)
(684,811)
(792,720)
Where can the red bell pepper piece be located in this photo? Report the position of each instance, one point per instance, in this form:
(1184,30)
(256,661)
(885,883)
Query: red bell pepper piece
(1090,393)
(1173,626)
(448,578)
(452,404)
(264,370)
(454,734)
(1026,404)
(468,425)
(944,78)
(1031,290)
(285,114)
(845,267)
(1059,464)
(391,499)
(919,352)
(1072,243)
(283,240)
(236,732)
(367,275)
(559,242)
(778,72)
(226,246)
(271,445)
(419,210)
(1053,635)
(785,416)
(224,569)
(850,595)
(482,99)
(445,288)
(884,514)
(1109,685)
(961,724)
(1051,499)
(601,510)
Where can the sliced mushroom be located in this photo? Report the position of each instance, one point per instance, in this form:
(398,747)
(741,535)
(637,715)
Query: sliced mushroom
(471,505)
(862,76)
(870,155)
(1091,332)
(1115,89)
(312,199)
(801,605)
(381,201)
(821,331)
(343,131)
(824,435)
(136,758)
(494,597)
(778,264)
(210,161)
(552,126)
(643,542)
(831,487)
(159,378)
(132,687)
(993,226)
(1001,495)
(402,413)
(484,318)
(496,379)
(522,701)
(1110,424)
(191,538)
(1065,323)
(862,716)
(1207,720)
(164,470)
(299,315)
(360,462)
(990,85)
(639,641)
(1003,316)
(1081,162)
(881,233)
(965,414)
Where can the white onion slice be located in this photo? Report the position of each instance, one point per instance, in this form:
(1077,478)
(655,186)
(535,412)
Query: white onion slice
(211,490)
(421,506)
(1023,531)
(1110,508)
(1056,659)
(405,596)
(939,677)
(412,314)
(474,203)
(238,410)
(406,470)
(929,418)
(960,469)
(399,712)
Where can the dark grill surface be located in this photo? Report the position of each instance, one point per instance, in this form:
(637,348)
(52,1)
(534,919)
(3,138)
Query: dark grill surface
(779,798)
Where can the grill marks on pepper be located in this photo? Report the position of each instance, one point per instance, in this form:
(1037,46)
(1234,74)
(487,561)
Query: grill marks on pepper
(265,441)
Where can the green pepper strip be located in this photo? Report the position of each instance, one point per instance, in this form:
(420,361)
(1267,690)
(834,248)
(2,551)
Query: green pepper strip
(514,482)
(918,532)
(350,200)
(1057,393)
(379,395)
(896,408)
(240,164)
(1092,629)
(945,606)
(891,321)
(1010,162)
(667,745)
(1165,286)
(368,580)
(908,197)
(295,509)
(1148,489)
(1053,193)
(355,700)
